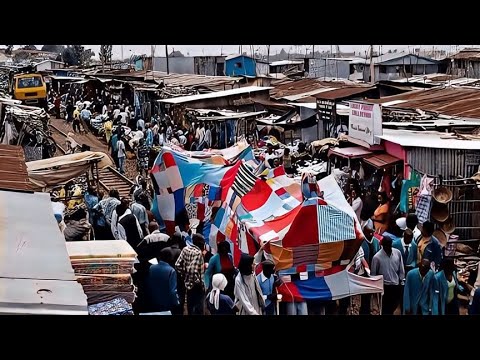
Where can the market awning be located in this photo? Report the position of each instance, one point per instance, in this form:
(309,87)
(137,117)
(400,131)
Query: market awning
(350,152)
(381,161)
(47,173)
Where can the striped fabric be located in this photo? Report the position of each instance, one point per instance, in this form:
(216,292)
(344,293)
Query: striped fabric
(244,180)
(334,224)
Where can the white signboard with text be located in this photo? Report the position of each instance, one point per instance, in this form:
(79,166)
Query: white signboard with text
(365,122)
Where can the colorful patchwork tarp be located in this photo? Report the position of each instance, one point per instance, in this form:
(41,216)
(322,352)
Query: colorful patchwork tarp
(312,237)
(180,178)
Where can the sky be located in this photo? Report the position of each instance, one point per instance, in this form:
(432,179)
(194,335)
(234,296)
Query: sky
(198,50)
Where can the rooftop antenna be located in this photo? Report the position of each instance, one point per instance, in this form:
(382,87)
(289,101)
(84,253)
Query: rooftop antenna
(166,56)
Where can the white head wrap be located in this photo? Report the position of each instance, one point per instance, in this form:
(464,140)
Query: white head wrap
(219,282)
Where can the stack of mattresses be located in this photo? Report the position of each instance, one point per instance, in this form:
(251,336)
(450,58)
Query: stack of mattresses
(104,269)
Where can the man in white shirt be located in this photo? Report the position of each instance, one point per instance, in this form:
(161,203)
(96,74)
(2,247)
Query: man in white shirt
(124,118)
(116,112)
(208,137)
(389,263)
(200,136)
(140,124)
(121,156)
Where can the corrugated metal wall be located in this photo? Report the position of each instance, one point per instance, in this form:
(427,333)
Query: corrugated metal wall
(451,164)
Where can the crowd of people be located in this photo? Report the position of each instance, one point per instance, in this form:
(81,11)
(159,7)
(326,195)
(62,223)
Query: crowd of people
(181,274)
(417,277)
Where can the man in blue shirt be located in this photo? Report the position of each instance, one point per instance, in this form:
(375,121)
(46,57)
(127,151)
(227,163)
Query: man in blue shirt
(161,286)
(418,293)
(266,279)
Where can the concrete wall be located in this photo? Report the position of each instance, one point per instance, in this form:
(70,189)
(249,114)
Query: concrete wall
(329,68)
(177,65)
(209,65)
(399,152)
(262,68)
(49,65)
(392,72)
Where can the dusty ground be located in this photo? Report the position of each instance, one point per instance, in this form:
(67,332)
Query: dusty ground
(96,144)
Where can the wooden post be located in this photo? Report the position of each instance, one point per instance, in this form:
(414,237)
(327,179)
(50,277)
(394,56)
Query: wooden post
(226,134)
(98,179)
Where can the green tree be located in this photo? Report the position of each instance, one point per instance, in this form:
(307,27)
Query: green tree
(105,54)
(76,55)
(9,49)
(53,48)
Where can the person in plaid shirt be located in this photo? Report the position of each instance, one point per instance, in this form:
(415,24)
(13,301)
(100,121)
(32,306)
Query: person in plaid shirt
(191,267)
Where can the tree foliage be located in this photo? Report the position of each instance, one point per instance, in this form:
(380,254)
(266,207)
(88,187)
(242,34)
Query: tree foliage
(9,49)
(76,55)
(105,54)
(53,48)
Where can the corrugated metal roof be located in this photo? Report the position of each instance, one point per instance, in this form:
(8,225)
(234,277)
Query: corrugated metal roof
(185,80)
(381,161)
(297,89)
(312,105)
(350,152)
(213,95)
(192,80)
(286,62)
(344,92)
(13,170)
(453,101)
(231,116)
(428,139)
(467,54)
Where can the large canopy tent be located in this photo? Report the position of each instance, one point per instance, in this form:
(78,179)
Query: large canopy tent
(49,173)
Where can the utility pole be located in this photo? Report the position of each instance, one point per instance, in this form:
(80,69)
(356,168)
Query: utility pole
(166,56)
(372,68)
(313,51)
(121,51)
(268,54)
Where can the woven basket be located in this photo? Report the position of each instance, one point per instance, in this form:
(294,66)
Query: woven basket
(442,195)
(448,226)
(439,212)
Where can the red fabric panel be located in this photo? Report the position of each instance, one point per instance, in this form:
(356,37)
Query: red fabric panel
(228,179)
(304,229)
(257,197)
(169,160)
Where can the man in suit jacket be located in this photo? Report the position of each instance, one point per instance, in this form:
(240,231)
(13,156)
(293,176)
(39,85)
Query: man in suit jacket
(418,294)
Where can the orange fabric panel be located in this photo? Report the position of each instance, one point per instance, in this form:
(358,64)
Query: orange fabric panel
(329,252)
(283,257)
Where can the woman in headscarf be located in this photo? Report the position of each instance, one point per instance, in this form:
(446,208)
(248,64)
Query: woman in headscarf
(222,262)
(248,294)
(218,302)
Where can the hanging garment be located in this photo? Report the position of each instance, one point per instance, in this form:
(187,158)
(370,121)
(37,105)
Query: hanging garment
(423,208)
